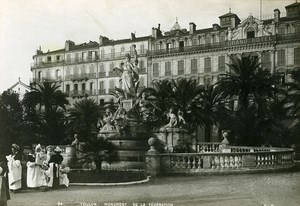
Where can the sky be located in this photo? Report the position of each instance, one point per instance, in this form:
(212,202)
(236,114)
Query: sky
(27,24)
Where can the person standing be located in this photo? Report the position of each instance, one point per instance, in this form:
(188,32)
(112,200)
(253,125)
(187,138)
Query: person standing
(4,191)
(54,168)
(34,169)
(14,169)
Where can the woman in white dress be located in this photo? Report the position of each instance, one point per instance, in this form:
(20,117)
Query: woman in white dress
(35,173)
(14,169)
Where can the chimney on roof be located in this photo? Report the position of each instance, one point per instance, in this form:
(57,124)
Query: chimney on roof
(216,27)
(276,15)
(39,50)
(132,36)
(192,27)
(103,40)
(156,32)
(69,44)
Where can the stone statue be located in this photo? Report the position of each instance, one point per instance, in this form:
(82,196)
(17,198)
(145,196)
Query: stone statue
(128,72)
(181,120)
(225,140)
(172,119)
(108,121)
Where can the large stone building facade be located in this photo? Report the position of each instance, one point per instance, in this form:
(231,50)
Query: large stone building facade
(85,70)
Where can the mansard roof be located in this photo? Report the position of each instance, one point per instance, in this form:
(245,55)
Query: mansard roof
(124,41)
(293,5)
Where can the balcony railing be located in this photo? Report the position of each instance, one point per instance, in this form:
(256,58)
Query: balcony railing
(120,55)
(47,63)
(81,60)
(216,45)
(79,77)
(64,62)
(102,74)
(81,93)
(102,91)
(284,37)
(49,79)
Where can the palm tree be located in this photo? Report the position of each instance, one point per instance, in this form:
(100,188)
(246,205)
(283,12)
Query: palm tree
(247,81)
(98,150)
(255,89)
(83,117)
(45,105)
(209,110)
(178,94)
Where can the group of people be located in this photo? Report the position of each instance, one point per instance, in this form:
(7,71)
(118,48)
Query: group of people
(43,171)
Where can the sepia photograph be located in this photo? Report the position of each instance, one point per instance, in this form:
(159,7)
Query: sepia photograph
(149,103)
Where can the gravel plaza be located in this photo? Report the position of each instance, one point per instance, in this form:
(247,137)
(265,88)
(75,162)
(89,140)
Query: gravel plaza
(276,189)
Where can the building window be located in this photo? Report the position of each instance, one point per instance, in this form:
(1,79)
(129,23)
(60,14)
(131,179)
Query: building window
(102,54)
(83,87)
(142,49)
(281,30)
(297,28)
(297,56)
(111,85)
(112,53)
(281,58)
(92,70)
(266,60)
(76,88)
(221,38)
(250,33)
(68,57)
(91,86)
(57,57)
(194,66)
(111,69)
(207,65)
(168,69)
(67,88)
(57,73)
(76,56)
(142,67)
(122,49)
(48,58)
(221,63)
(101,87)
(101,72)
(208,40)
(155,70)
(180,67)
(39,76)
(194,41)
(82,70)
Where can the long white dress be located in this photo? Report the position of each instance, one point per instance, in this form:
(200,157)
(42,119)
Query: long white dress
(34,175)
(14,172)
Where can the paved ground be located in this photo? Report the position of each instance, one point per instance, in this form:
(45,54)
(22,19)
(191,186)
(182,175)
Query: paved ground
(276,189)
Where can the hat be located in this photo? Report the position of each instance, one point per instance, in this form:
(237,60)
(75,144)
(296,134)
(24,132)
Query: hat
(17,147)
(57,149)
(38,147)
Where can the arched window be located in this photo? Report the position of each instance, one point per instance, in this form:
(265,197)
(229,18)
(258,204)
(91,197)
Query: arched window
(250,33)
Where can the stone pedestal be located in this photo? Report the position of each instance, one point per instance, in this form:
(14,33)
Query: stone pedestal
(173,139)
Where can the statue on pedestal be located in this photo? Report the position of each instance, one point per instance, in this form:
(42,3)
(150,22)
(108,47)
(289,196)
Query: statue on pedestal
(129,76)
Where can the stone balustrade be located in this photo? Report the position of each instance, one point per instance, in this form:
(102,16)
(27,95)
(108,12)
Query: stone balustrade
(211,160)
